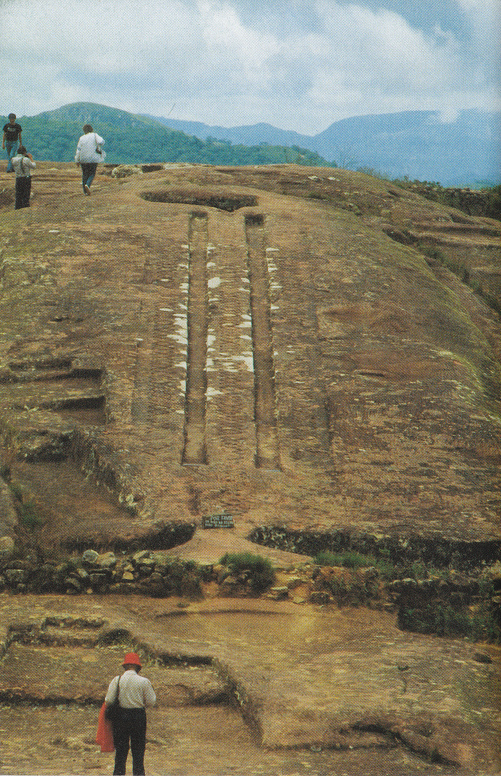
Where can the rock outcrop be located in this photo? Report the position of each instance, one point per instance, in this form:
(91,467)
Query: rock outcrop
(306,359)
(250,340)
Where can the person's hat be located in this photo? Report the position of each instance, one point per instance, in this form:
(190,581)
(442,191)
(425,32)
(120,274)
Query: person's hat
(131,659)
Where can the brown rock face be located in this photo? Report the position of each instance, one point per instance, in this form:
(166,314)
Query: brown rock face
(195,340)
(312,352)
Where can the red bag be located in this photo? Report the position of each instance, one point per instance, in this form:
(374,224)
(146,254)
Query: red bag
(104,735)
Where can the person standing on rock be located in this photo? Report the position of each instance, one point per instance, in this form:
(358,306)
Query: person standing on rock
(12,134)
(23,165)
(89,154)
(134,693)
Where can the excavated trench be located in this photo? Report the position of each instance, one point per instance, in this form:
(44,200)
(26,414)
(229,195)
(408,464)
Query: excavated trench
(196,375)
(265,409)
(224,673)
(197,325)
(227,202)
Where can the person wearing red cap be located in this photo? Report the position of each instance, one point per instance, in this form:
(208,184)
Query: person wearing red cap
(134,694)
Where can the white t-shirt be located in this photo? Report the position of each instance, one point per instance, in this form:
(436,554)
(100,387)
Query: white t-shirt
(86,148)
(22,166)
(136,691)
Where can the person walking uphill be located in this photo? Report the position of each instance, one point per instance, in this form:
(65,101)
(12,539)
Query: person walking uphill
(23,165)
(129,728)
(12,136)
(89,154)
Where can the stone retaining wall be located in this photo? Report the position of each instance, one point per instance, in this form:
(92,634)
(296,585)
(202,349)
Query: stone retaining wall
(438,551)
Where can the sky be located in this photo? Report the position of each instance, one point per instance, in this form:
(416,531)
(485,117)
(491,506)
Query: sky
(296,64)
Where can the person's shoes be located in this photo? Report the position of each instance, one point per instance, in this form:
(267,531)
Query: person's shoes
(87,190)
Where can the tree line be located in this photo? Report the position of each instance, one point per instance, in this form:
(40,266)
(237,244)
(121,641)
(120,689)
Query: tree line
(145,143)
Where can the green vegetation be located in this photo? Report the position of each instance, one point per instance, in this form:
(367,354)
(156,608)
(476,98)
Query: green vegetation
(28,513)
(440,608)
(386,568)
(478,202)
(494,206)
(29,517)
(356,560)
(130,139)
(354,590)
(459,268)
(484,201)
(349,559)
(256,570)
(181,577)
(445,620)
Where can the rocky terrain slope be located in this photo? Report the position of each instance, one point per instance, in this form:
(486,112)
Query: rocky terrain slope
(312,352)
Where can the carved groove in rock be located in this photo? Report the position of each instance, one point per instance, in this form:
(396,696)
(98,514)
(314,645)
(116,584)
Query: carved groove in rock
(267,447)
(196,372)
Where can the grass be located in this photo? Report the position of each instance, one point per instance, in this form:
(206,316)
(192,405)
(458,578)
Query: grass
(350,559)
(183,578)
(259,571)
(27,510)
(480,621)
(489,206)
(354,590)
(29,517)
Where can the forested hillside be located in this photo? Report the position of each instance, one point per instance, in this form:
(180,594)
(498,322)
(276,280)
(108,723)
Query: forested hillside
(130,139)
(415,144)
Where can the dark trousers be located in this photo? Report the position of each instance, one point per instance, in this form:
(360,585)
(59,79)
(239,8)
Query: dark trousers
(88,173)
(130,728)
(23,190)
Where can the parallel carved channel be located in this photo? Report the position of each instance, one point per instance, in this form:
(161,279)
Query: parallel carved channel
(195,451)
(265,409)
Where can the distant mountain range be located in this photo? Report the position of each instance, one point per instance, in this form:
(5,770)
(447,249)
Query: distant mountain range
(133,139)
(412,143)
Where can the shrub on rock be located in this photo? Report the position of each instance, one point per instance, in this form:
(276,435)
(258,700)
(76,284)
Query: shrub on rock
(257,571)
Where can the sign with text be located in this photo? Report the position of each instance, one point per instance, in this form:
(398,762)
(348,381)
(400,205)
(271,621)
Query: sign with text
(218,521)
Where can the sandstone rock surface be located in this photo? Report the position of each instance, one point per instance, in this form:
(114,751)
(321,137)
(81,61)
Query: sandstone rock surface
(302,678)
(251,340)
(311,351)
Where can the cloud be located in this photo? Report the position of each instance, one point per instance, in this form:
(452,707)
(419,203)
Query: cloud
(484,18)
(103,52)
(382,62)
(228,41)
(296,64)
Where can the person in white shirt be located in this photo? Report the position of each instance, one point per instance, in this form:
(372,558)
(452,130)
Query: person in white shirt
(134,694)
(88,155)
(23,164)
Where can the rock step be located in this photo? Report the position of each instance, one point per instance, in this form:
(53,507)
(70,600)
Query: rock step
(76,674)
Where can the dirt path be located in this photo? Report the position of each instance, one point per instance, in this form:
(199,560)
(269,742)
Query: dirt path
(186,742)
